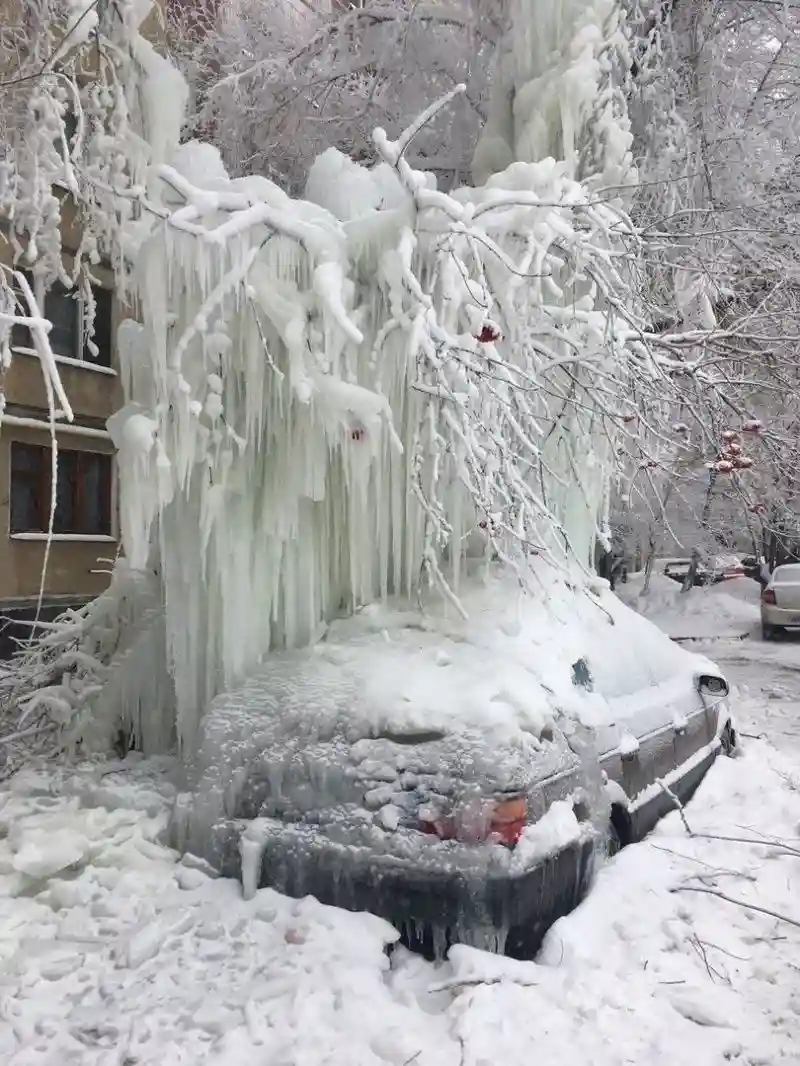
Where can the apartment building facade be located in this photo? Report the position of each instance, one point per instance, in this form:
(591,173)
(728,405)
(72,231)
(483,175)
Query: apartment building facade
(83,543)
(70,564)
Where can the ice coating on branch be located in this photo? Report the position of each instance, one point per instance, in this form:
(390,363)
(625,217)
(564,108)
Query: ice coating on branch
(554,95)
(164,95)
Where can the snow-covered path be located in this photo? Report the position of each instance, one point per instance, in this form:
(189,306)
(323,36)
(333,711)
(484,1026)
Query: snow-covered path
(112,951)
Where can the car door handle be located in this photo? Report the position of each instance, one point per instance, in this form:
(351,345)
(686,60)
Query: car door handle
(680,724)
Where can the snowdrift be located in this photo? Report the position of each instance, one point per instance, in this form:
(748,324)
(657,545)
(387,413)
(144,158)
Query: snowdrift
(727,609)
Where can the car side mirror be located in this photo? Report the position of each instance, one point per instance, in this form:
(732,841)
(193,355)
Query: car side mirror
(712,685)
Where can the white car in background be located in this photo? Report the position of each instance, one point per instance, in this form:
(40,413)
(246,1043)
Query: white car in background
(780,601)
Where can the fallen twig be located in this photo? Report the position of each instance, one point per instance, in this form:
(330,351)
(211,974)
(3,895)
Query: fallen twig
(737,902)
(700,948)
(745,876)
(764,842)
(730,954)
(476,982)
(678,805)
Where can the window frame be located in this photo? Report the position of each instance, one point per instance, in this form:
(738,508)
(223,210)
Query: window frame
(40,480)
(80,356)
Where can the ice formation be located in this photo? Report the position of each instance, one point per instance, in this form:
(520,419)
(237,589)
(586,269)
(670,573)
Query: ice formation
(337,399)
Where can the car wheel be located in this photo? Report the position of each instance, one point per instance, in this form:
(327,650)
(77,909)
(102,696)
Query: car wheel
(618,831)
(613,842)
(727,739)
(768,632)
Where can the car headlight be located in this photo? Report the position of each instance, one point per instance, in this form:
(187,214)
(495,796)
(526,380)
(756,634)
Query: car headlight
(712,685)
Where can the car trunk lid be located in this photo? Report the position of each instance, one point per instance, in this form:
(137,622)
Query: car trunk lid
(786,586)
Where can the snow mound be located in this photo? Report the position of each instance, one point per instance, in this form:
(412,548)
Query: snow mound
(729,608)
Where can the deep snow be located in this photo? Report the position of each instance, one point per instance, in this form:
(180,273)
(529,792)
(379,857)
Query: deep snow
(113,950)
(728,609)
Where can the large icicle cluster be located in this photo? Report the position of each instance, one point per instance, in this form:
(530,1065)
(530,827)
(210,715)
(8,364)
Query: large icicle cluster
(338,398)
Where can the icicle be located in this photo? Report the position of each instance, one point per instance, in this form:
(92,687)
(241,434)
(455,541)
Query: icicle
(251,850)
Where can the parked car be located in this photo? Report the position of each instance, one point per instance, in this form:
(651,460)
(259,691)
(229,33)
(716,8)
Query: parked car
(726,568)
(458,778)
(678,569)
(780,601)
(707,572)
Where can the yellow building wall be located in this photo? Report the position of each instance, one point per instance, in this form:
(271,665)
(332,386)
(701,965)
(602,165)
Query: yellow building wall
(74,569)
(72,564)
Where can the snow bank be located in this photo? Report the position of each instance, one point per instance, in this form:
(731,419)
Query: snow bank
(729,608)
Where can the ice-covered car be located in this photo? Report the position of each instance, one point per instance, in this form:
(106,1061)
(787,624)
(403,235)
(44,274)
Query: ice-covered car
(458,778)
(726,568)
(678,570)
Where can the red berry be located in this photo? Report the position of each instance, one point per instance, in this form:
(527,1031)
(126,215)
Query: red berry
(489,333)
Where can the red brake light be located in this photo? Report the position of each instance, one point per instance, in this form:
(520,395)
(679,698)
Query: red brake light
(768,596)
(506,823)
(509,819)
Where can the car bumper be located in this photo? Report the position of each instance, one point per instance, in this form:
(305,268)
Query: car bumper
(433,900)
(780,616)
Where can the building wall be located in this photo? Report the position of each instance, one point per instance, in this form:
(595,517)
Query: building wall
(75,568)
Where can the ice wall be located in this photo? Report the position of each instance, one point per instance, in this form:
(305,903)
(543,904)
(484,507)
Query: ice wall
(338,398)
(557,92)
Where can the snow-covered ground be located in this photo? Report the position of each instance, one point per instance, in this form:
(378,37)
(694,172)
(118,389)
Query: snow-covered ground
(113,950)
(728,609)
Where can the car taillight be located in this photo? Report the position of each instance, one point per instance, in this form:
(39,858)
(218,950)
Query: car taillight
(768,596)
(509,819)
(504,820)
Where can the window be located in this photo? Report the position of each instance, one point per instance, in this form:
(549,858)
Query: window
(69,318)
(83,491)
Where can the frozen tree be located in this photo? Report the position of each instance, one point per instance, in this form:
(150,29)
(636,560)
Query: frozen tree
(275,84)
(358,393)
(371,388)
(718,210)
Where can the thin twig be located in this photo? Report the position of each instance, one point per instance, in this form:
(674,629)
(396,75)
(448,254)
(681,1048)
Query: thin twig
(700,948)
(780,845)
(678,805)
(476,982)
(737,902)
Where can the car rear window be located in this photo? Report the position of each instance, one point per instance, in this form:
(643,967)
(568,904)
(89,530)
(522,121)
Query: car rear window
(790,572)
